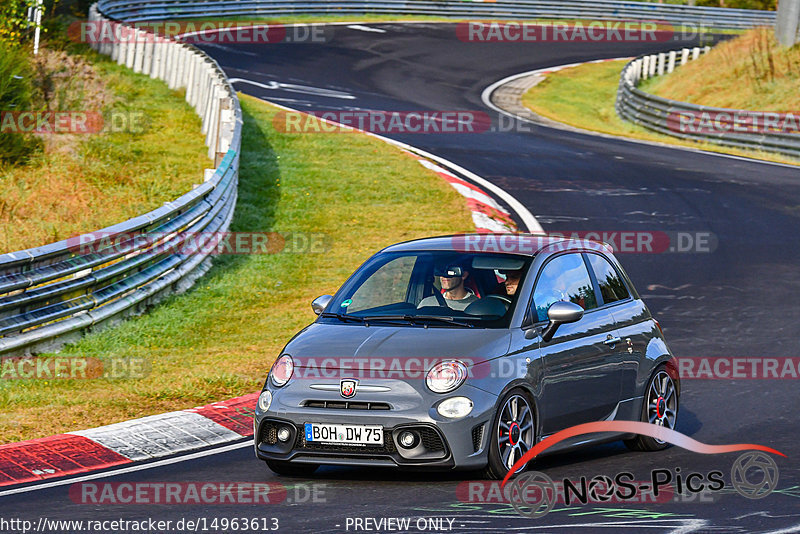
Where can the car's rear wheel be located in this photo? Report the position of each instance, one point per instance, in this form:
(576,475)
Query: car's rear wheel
(291,469)
(513,433)
(660,407)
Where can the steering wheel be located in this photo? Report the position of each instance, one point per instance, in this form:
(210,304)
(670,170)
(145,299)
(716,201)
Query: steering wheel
(500,297)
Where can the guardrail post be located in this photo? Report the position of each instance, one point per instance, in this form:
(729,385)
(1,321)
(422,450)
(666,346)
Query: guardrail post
(661,60)
(695,53)
(164,64)
(672,56)
(213,127)
(652,66)
(121,43)
(684,56)
(208,98)
(787,22)
(190,74)
(130,53)
(147,62)
(645,67)
(226,124)
(138,58)
(183,64)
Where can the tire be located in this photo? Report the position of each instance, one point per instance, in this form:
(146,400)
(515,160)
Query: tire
(660,407)
(504,451)
(291,469)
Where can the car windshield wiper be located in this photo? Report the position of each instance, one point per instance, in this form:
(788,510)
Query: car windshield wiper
(414,319)
(342,317)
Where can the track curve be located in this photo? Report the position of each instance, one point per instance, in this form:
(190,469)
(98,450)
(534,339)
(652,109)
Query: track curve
(739,300)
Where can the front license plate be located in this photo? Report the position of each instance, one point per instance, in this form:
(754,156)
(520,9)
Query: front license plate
(344,434)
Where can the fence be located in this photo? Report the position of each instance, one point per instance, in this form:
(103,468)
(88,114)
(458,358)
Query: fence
(144,10)
(53,293)
(753,130)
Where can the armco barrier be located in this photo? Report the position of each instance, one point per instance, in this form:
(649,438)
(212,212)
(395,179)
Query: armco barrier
(770,132)
(146,10)
(51,294)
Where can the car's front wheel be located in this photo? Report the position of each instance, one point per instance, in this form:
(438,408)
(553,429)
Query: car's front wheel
(513,433)
(291,469)
(660,407)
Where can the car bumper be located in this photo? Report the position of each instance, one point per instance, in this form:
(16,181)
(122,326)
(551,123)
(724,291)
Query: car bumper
(444,443)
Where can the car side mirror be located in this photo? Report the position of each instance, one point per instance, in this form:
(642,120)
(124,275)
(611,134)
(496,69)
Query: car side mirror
(561,313)
(320,303)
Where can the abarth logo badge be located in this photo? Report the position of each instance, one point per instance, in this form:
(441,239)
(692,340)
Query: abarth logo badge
(348,388)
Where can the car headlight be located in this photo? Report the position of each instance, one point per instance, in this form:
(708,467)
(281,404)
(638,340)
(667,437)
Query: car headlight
(446,376)
(264,400)
(455,407)
(282,370)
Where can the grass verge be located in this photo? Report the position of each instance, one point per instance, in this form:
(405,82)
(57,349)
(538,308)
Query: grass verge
(584,97)
(219,340)
(750,72)
(151,151)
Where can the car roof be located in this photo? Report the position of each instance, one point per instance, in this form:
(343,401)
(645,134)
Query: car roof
(503,243)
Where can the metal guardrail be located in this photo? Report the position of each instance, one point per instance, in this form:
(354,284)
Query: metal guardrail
(51,294)
(148,10)
(753,130)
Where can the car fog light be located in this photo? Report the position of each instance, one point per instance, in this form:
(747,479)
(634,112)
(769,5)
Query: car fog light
(455,407)
(284,434)
(408,439)
(264,400)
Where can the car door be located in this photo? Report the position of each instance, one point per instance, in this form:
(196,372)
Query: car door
(633,321)
(581,378)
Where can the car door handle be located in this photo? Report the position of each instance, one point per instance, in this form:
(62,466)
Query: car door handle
(612,340)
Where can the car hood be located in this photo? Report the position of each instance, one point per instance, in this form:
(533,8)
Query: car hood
(345,346)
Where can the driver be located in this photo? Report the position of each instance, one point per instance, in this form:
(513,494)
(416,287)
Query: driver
(512,281)
(456,296)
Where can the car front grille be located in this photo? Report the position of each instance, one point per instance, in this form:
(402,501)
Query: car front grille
(268,433)
(346,405)
(430,439)
(477,437)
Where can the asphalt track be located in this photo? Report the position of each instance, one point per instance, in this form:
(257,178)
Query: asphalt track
(738,301)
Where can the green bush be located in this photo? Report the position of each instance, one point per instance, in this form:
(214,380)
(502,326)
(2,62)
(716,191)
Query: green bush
(16,94)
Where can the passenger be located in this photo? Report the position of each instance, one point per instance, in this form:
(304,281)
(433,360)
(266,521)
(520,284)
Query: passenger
(456,296)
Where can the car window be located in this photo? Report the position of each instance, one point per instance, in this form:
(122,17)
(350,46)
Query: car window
(563,278)
(407,288)
(612,288)
(388,285)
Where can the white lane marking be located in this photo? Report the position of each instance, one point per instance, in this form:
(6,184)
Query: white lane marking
(365,28)
(522,212)
(129,469)
(486,95)
(292,88)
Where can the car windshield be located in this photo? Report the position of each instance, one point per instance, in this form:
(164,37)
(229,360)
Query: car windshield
(431,288)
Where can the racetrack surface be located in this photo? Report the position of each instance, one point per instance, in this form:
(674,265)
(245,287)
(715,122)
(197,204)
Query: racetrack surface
(738,301)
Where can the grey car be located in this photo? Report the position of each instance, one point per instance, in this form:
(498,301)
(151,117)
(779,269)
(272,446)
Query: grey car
(462,352)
